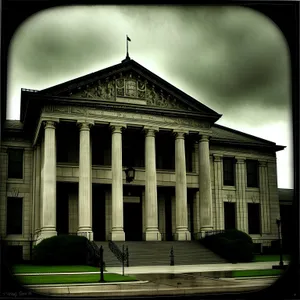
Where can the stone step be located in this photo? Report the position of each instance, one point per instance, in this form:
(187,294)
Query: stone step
(158,253)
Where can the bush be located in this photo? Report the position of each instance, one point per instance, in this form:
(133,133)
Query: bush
(233,245)
(63,250)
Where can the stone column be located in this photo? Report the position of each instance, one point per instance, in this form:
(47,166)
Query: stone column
(117,231)
(218,191)
(85,181)
(264,197)
(205,192)
(182,232)
(152,232)
(37,190)
(48,208)
(241,204)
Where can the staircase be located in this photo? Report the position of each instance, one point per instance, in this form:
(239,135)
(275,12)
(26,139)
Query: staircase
(144,253)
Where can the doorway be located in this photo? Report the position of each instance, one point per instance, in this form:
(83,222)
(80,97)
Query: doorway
(132,213)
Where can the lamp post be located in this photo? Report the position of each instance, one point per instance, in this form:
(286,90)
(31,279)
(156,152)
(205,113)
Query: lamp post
(278,222)
(130,173)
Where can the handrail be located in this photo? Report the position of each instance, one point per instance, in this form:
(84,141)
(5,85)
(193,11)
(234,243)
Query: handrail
(120,255)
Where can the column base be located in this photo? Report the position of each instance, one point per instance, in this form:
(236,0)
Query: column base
(86,233)
(204,229)
(117,235)
(45,233)
(182,235)
(153,235)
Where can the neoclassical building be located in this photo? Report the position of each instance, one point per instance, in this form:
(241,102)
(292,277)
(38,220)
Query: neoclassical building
(64,164)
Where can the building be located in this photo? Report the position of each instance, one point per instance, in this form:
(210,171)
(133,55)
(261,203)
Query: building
(63,164)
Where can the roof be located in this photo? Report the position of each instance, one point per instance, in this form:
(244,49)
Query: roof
(232,136)
(129,65)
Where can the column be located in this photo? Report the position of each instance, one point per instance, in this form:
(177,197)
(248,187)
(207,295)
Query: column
(218,192)
(264,197)
(182,232)
(48,208)
(37,190)
(196,204)
(152,232)
(241,203)
(117,231)
(85,181)
(205,186)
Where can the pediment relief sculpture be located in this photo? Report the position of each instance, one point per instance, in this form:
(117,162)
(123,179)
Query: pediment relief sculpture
(129,86)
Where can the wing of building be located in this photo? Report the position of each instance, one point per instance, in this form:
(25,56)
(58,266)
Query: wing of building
(122,154)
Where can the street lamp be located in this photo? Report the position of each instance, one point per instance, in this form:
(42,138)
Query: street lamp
(130,173)
(278,222)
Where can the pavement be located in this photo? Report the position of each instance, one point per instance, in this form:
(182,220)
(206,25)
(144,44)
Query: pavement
(168,280)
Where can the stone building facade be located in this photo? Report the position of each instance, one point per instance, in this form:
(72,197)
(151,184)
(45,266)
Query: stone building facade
(63,164)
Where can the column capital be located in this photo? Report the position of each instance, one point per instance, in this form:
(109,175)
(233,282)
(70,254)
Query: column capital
(84,125)
(150,131)
(179,134)
(49,124)
(116,127)
(262,163)
(204,137)
(240,159)
(217,157)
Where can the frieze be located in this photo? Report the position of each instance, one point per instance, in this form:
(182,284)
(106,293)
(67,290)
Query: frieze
(111,113)
(129,86)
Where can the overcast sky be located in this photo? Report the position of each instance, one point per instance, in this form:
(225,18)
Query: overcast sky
(232,59)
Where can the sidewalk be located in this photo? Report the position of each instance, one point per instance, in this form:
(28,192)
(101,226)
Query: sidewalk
(193,268)
(182,280)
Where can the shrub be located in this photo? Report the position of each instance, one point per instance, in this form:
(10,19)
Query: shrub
(63,250)
(233,245)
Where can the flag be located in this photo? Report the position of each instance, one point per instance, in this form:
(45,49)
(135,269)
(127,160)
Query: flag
(128,39)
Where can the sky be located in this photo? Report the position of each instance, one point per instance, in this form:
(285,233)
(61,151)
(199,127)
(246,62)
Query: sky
(232,59)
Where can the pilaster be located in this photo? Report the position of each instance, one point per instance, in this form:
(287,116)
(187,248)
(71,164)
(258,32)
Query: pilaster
(264,197)
(218,182)
(241,204)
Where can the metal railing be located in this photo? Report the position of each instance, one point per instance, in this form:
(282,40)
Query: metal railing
(122,256)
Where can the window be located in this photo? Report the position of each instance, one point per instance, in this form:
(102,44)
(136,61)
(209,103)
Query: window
(253,218)
(15,163)
(252,173)
(228,171)
(14,215)
(229,215)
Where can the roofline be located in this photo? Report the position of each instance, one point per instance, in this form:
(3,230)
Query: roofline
(125,64)
(246,134)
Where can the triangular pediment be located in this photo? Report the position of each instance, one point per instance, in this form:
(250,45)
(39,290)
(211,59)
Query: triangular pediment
(129,82)
(131,88)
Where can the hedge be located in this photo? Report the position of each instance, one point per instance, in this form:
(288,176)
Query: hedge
(233,245)
(64,250)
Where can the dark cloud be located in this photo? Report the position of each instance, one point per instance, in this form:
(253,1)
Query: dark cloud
(232,59)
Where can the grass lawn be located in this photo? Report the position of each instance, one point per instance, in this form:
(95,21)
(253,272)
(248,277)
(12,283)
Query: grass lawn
(18,269)
(258,258)
(254,273)
(63,279)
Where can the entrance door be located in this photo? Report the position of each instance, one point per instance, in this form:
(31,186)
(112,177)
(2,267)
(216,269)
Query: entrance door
(98,213)
(133,221)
